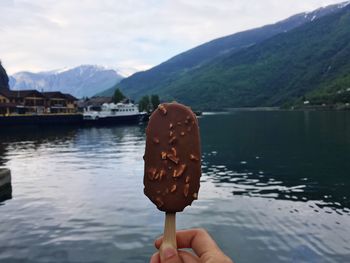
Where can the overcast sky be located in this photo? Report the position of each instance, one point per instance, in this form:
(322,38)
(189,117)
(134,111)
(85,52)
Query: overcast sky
(129,35)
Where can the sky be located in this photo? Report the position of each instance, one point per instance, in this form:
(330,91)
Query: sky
(127,35)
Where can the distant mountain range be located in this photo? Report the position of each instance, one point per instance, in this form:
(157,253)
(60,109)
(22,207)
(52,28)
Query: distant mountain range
(82,81)
(266,66)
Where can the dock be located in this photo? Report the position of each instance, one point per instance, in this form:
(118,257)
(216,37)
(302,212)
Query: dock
(5,185)
(5,177)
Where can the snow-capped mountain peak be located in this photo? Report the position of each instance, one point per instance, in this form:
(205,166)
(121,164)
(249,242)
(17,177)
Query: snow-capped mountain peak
(344,4)
(81,81)
(320,12)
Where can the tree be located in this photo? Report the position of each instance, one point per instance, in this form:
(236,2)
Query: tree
(118,96)
(155,101)
(144,104)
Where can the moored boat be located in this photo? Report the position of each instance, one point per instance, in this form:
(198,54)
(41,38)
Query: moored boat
(111,113)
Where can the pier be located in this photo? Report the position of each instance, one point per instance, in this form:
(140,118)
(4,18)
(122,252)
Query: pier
(5,184)
(5,177)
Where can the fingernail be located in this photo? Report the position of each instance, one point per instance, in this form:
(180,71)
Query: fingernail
(169,252)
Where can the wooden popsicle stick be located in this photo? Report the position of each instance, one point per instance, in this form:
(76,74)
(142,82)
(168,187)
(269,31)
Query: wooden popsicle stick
(169,237)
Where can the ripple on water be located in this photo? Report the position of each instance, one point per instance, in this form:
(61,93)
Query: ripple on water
(252,184)
(77,197)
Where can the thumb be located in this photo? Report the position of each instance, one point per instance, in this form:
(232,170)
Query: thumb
(170,255)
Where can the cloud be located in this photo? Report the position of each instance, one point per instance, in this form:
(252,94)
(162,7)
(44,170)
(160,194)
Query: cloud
(47,34)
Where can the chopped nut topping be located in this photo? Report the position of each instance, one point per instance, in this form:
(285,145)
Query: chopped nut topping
(171,133)
(151,173)
(186,121)
(171,125)
(173,158)
(182,133)
(187,180)
(156,177)
(195,196)
(158,191)
(159,202)
(156,140)
(174,151)
(162,109)
(186,189)
(163,154)
(173,188)
(179,123)
(169,167)
(178,172)
(172,140)
(188,118)
(193,157)
(161,174)
(189,129)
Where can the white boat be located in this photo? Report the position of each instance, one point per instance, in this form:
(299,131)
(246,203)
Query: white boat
(111,113)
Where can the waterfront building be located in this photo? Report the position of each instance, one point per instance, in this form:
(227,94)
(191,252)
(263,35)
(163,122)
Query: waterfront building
(57,102)
(35,102)
(6,107)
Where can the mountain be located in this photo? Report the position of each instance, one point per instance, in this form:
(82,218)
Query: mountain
(310,61)
(3,78)
(85,80)
(157,79)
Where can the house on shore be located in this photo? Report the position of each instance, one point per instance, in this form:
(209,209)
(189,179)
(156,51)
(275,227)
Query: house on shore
(57,102)
(35,102)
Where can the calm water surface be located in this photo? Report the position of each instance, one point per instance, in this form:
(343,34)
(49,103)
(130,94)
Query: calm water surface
(275,188)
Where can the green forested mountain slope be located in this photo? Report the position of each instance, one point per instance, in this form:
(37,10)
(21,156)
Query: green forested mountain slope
(311,60)
(170,71)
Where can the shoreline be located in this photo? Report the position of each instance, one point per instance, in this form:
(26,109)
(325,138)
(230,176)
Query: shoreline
(309,108)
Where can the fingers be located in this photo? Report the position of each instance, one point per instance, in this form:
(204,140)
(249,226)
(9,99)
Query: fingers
(185,257)
(197,239)
(169,255)
(155,258)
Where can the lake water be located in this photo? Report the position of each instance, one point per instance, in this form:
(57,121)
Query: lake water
(275,188)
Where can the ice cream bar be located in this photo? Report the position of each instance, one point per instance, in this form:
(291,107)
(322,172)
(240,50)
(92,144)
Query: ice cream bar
(172,158)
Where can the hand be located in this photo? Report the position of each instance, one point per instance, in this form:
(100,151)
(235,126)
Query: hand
(204,248)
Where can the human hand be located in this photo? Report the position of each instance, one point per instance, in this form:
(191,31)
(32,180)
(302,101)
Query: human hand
(204,247)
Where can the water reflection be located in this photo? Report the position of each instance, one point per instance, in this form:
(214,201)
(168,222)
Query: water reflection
(273,186)
(264,186)
(295,156)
